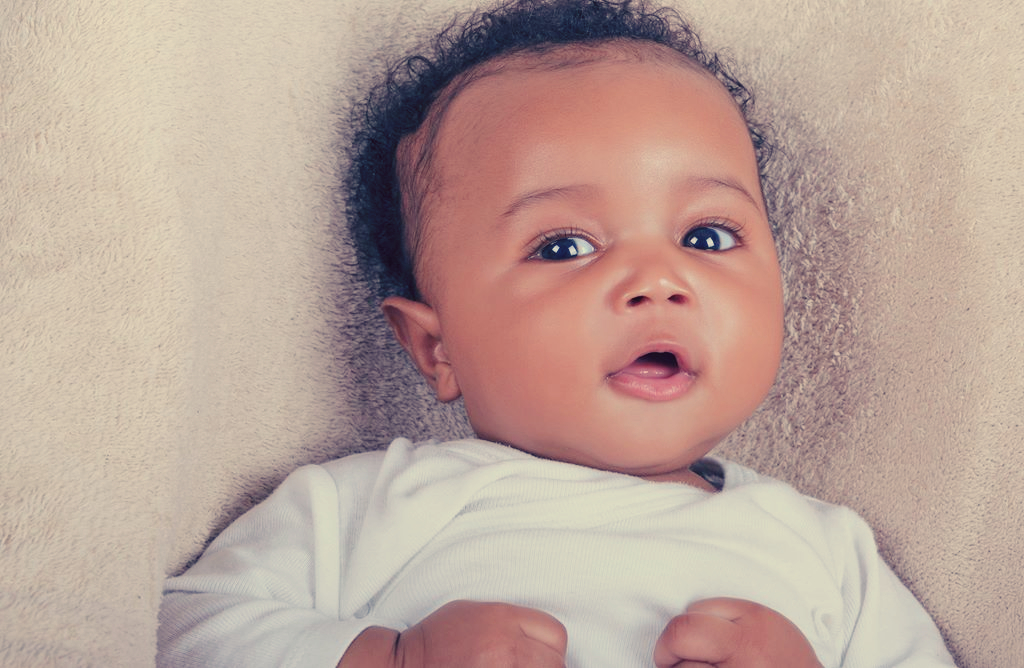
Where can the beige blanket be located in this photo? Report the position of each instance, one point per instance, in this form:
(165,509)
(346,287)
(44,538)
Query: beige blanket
(180,324)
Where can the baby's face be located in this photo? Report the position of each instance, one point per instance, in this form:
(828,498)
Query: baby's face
(599,262)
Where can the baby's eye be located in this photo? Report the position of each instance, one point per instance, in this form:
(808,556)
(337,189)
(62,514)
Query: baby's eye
(710,238)
(564,248)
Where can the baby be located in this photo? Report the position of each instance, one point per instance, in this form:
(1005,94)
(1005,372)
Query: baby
(567,204)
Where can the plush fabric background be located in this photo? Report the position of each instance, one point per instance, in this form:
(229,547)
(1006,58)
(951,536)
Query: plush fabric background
(180,324)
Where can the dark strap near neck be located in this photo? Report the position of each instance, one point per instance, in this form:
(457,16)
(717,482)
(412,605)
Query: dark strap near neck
(711,471)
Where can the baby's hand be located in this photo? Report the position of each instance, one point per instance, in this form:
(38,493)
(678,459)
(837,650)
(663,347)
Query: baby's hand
(732,633)
(466,634)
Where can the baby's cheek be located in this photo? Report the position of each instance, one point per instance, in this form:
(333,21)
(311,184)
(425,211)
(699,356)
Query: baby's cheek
(746,360)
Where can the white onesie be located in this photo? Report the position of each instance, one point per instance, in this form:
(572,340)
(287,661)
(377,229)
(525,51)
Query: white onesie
(384,539)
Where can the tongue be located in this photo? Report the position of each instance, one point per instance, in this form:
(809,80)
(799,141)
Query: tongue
(651,366)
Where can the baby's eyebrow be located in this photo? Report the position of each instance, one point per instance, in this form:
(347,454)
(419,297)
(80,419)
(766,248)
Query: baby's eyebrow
(692,183)
(709,183)
(537,196)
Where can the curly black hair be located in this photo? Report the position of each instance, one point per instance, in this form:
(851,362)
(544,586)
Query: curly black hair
(400,103)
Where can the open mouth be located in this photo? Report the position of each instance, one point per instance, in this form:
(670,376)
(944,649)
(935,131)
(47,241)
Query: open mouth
(655,376)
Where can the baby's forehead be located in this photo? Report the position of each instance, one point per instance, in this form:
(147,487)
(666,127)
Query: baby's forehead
(418,160)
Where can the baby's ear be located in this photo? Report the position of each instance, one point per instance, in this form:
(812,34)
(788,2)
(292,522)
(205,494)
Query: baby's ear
(418,329)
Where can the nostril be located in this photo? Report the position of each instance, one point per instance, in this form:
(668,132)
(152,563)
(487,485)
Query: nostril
(639,300)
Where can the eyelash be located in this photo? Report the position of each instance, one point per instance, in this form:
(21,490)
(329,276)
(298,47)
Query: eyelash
(726,225)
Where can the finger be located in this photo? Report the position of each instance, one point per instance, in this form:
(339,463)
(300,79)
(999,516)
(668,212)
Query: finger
(696,637)
(762,631)
(544,629)
(689,664)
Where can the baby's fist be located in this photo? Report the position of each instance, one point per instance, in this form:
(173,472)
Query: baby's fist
(469,634)
(732,633)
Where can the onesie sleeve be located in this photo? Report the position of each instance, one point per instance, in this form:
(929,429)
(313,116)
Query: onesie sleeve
(884,625)
(265,593)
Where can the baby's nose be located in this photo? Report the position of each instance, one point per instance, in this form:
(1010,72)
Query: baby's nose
(656,290)
(652,278)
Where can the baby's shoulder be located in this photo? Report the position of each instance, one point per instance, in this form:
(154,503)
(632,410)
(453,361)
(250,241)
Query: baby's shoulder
(829,521)
(416,463)
(359,466)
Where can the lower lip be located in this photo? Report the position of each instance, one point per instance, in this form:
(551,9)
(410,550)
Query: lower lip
(651,388)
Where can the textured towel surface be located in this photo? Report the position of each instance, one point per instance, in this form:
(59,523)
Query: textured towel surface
(181,324)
